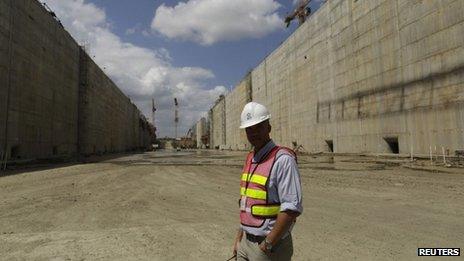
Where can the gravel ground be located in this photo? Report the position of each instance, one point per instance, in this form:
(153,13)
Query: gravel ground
(171,205)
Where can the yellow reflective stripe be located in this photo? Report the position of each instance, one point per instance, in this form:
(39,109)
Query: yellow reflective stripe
(265,210)
(255,178)
(253,193)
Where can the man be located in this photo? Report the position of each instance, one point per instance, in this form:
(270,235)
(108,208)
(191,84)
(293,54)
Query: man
(270,192)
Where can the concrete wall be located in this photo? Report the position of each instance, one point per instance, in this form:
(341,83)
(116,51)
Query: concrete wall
(235,101)
(5,23)
(109,121)
(358,73)
(39,82)
(45,110)
(218,124)
(200,130)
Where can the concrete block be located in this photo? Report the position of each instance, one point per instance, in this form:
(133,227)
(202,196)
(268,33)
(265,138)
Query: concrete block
(4,58)
(415,96)
(386,29)
(428,24)
(411,11)
(451,13)
(3,102)
(4,8)
(13,127)
(5,25)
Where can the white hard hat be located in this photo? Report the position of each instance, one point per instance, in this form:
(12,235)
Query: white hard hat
(252,114)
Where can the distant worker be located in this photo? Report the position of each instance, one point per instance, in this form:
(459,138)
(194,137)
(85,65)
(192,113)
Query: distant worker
(270,193)
(301,12)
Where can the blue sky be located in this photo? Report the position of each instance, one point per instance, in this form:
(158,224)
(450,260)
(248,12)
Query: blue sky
(194,50)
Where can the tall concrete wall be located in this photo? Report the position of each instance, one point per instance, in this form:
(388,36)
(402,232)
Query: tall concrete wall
(357,74)
(218,124)
(5,35)
(46,110)
(109,121)
(236,138)
(39,82)
(200,130)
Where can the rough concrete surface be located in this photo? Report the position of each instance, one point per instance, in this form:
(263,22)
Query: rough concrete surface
(361,76)
(55,102)
(183,206)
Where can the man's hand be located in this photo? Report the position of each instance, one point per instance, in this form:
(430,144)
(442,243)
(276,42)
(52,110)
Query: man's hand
(238,238)
(236,243)
(284,220)
(262,246)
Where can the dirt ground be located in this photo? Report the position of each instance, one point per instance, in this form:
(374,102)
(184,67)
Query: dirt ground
(183,206)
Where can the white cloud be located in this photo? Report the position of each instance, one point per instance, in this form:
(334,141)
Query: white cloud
(130,31)
(140,73)
(133,30)
(209,21)
(138,29)
(145,33)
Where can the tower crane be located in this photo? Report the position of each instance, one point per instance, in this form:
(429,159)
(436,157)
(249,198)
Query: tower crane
(153,110)
(176,116)
(301,12)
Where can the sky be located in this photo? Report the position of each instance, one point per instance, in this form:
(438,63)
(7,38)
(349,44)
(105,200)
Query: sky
(194,50)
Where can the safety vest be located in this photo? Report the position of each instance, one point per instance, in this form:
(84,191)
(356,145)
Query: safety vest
(254,205)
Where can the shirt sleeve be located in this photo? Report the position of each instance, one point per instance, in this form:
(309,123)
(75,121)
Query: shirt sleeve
(288,184)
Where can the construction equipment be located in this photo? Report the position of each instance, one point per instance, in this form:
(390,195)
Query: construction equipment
(301,12)
(153,110)
(189,133)
(176,116)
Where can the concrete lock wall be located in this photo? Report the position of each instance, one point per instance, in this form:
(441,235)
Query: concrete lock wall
(110,122)
(200,130)
(368,76)
(218,124)
(39,72)
(235,137)
(5,23)
(42,113)
(224,118)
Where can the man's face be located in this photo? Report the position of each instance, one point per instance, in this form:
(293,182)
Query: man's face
(258,134)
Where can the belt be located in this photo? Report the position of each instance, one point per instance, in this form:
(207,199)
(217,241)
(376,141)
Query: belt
(256,239)
(259,239)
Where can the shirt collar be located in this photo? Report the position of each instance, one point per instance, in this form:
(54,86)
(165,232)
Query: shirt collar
(263,151)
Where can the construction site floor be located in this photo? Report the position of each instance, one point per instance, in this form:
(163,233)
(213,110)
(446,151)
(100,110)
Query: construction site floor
(170,205)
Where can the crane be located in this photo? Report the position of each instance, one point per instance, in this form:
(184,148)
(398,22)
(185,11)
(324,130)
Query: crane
(301,11)
(176,115)
(189,132)
(153,109)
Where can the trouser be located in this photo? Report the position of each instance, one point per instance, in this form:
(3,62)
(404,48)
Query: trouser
(249,250)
